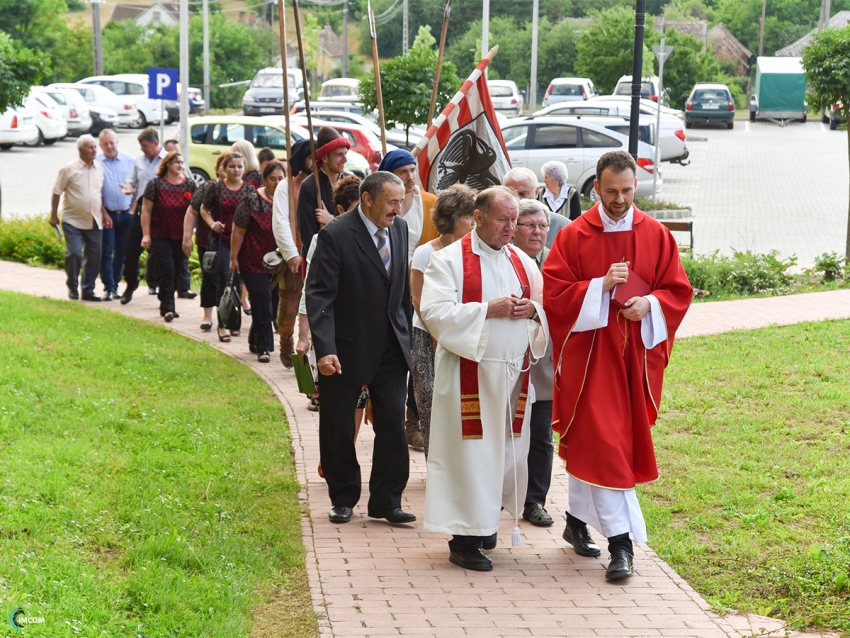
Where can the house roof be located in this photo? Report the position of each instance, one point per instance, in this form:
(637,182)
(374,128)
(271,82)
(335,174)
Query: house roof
(795,50)
(330,42)
(696,28)
(720,35)
(133,11)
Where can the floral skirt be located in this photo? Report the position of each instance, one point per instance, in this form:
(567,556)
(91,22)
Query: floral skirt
(422,355)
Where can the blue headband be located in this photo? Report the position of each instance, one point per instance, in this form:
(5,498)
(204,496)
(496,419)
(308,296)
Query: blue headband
(396,159)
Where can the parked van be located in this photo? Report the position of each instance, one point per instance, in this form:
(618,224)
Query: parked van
(265,93)
(135,87)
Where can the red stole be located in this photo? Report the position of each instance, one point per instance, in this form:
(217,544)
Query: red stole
(470,399)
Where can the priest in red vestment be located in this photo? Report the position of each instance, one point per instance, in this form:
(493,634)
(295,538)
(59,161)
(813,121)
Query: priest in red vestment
(609,352)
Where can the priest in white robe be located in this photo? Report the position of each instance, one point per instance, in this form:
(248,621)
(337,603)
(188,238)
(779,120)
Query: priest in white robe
(482,302)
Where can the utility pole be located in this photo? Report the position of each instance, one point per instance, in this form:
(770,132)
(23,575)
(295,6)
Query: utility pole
(345,38)
(825,14)
(485,31)
(404,28)
(184,75)
(206,11)
(761,27)
(532,90)
(662,53)
(97,43)
(637,79)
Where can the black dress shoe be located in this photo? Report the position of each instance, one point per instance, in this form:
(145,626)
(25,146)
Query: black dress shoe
(581,541)
(186,294)
(88,296)
(340,514)
(536,514)
(127,297)
(471,559)
(621,566)
(490,541)
(109,295)
(396,515)
(73,294)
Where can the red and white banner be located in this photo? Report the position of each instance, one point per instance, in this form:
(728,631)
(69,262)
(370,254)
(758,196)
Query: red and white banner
(464,144)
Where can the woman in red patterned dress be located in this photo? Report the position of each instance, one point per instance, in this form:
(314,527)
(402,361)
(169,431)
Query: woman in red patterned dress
(219,205)
(252,238)
(163,208)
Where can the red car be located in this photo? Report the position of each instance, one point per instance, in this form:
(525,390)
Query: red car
(361,139)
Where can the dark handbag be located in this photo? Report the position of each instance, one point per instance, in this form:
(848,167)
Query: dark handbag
(230,306)
(211,260)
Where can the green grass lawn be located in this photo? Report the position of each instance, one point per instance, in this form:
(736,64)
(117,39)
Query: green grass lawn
(147,485)
(753,504)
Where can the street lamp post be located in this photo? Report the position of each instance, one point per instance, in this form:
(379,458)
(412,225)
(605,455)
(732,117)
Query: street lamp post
(97,42)
(661,52)
(637,76)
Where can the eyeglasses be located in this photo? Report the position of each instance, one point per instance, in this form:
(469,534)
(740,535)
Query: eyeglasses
(534,226)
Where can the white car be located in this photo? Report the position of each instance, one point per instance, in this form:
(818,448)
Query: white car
(133,86)
(49,118)
(505,97)
(17,126)
(671,134)
(532,142)
(96,95)
(650,89)
(569,90)
(342,89)
(647,107)
(74,108)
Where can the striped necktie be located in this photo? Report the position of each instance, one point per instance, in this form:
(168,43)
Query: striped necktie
(383,247)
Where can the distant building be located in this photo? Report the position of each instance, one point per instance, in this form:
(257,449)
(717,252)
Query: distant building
(695,28)
(159,13)
(795,50)
(726,46)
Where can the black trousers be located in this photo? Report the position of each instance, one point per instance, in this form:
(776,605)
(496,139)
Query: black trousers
(464,543)
(167,255)
(261,334)
(390,459)
(540,452)
(223,274)
(133,254)
(207,283)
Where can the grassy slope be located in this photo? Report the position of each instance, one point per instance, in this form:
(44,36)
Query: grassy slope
(147,482)
(753,506)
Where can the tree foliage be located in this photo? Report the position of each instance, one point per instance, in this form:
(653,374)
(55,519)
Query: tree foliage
(20,68)
(686,66)
(826,60)
(411,78)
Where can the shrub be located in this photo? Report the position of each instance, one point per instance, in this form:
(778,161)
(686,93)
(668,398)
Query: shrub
(31,241)
(831,266)
(744,273)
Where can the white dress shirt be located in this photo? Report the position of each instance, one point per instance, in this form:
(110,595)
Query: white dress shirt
(372,228)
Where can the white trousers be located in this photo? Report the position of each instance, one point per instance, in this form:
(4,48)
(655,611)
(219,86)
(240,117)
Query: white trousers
(612,512)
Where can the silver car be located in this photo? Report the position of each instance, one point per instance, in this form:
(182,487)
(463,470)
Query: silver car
(76,111)
(506,97)
(265,94)
(531,142)
(569,90)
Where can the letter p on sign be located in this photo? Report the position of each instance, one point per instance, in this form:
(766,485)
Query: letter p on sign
(162,84)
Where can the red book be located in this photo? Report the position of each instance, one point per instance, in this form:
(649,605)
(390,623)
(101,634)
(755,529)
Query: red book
(634,287)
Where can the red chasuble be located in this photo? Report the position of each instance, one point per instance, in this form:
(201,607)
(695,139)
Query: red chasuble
(607,392)
(470,399)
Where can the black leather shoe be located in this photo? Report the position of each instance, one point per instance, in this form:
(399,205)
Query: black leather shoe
(396,515)
(490,541)
(109,295)
(87,296)
(340,514)
(621,566)
(73,294)
(127,297)
(536,514)
(471,559)
(186,294)
(581,541)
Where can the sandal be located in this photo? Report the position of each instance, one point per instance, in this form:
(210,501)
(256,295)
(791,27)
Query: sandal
(224,338)
(313,406)
(206,326)
(234,333)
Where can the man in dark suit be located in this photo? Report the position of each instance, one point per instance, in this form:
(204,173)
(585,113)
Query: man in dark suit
(358,296)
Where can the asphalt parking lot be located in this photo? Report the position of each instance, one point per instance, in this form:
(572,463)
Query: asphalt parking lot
(758,187)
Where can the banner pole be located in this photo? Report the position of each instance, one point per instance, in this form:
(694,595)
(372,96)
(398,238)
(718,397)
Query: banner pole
(446,14)
(377,67)
(307,102)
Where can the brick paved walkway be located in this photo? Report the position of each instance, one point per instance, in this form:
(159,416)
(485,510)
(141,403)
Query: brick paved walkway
(370,579)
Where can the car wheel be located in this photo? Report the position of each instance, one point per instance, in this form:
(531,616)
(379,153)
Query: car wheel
(833,125)
(51,141)
(824,119)
(752,116)
(6,147)
(37,141)
(805,117)
(588,192)
(200,176)
(730,124)
(141,121)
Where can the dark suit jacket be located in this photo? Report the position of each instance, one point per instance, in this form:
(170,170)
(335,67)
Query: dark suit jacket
(351,301)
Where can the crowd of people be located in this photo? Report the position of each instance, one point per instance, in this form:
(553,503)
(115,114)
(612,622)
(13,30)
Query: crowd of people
(468,325)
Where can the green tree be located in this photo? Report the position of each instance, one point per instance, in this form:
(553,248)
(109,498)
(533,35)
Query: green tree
(124,48)
(605,51)
(826,60)
(20,68)
(686,66)
(411,78)
(72,57)
(556,52)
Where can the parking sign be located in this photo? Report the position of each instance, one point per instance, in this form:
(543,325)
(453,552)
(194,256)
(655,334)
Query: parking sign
(162,84)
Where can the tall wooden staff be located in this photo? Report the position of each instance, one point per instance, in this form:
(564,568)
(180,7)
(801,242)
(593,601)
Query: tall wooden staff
(377,68)
(293,223)
(307,102)
(446,14)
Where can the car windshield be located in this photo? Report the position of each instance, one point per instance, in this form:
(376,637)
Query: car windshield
(58,98)
(716,95)
(565,89)
(501,91)
(337,91)
(625,88)
(270,81)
